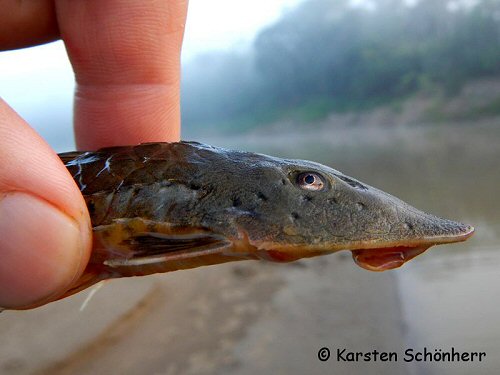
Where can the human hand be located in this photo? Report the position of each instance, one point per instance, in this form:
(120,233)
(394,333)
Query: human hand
(126,58)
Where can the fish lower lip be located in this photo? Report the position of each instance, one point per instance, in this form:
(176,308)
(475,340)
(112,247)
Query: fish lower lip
(387,258)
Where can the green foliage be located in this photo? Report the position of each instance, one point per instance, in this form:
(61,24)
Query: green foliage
(327,55)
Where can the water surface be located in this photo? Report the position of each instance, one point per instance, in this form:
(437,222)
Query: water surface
(450,296)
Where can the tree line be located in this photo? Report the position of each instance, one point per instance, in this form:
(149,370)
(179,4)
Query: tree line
(329,55)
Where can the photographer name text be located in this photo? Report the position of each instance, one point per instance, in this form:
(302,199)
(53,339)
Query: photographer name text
(408,355)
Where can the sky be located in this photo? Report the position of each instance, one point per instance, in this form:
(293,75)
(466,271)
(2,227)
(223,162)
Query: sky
(223,24)
(38,82)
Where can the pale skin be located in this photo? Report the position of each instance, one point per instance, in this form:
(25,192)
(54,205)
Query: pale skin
(126,58)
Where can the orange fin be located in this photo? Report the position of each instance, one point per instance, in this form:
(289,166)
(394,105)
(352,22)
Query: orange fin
(137,247)
(154,247)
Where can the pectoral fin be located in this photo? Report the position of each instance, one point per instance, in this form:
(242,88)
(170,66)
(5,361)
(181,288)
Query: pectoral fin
(138,247)
(146,246)
(154,247)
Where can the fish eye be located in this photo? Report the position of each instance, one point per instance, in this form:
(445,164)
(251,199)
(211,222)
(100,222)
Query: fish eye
(310,181)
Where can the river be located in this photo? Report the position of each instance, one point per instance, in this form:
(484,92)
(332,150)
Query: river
(255,317)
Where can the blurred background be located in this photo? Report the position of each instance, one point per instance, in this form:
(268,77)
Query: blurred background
(403,95)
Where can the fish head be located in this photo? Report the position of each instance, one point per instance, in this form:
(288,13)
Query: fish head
(291,209)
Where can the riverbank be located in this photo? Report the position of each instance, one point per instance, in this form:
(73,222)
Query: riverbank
(231,319)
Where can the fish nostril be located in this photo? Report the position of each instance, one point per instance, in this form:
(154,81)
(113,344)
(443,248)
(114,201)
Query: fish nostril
(307,198)
(283,181)
(194,186)
(261,196)
(295,215)
(360,206)
(408,226)
(236,202)
(351,182)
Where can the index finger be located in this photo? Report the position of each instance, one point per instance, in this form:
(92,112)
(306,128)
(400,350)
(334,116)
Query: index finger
(126,58)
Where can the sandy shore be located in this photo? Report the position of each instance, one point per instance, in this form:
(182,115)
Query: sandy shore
(242,318)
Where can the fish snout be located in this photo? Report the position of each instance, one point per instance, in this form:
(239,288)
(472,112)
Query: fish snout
(396,221)
(422,227)
(395,232)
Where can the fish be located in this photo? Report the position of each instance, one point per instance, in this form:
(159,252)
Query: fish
(161,207)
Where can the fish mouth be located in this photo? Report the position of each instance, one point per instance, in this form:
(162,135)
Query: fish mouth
(375,255)
(387,257)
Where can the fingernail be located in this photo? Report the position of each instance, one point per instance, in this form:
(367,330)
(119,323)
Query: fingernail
(41,249)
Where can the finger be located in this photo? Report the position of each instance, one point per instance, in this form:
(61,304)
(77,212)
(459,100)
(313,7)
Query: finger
(44,225)
(27,23)
(126,58)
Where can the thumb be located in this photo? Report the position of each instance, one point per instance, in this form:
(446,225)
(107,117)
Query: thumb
(45,235)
